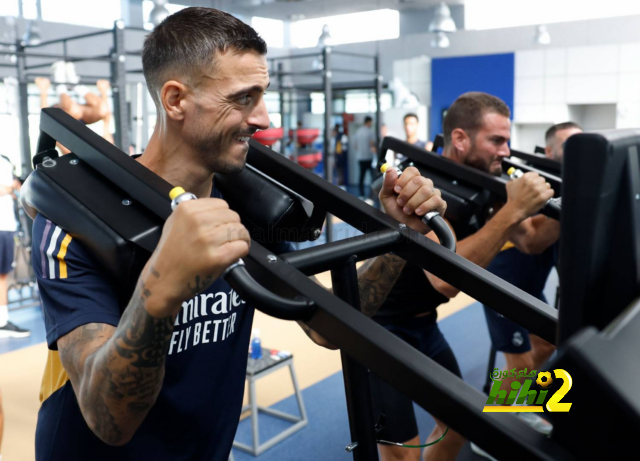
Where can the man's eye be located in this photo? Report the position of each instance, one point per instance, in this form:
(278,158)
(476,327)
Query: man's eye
(244,99)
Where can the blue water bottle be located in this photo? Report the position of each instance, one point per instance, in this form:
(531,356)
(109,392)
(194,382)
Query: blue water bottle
(256,345)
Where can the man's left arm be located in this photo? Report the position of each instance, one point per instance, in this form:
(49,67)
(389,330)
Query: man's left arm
(406,198)
(535,234)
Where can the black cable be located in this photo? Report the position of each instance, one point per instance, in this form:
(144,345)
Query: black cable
(396,444)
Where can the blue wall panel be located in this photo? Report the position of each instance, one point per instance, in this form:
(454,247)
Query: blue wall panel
(450,77)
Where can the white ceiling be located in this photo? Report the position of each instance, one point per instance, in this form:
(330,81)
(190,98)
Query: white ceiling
(286,9)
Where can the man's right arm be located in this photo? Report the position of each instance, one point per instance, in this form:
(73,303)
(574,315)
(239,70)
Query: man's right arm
(479,248)
(117,373)
(526,196)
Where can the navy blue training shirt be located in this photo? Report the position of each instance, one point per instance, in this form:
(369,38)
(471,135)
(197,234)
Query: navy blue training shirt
(197,412)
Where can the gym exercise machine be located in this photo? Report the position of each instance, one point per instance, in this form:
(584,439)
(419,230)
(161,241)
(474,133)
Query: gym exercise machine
(120,221)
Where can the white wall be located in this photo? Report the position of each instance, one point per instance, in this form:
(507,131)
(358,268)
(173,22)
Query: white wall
(598,85)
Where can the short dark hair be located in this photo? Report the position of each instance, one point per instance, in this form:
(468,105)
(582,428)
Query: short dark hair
(551,132)
(409,115)
(186,42)
(368,119)
(467,112)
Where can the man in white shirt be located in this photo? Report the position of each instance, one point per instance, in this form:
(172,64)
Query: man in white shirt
(7,231)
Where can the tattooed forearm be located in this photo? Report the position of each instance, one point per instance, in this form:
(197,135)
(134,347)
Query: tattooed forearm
(145,339)
(117,373)
(376,278)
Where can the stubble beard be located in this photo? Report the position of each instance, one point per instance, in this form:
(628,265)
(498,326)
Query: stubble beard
(476,161)
(213,149)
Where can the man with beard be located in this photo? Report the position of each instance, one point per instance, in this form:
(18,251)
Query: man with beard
(162,377)
(477,130)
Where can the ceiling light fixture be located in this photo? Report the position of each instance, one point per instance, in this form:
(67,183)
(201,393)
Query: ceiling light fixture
(325,38)
(441,24)
(542,35)
(159,12)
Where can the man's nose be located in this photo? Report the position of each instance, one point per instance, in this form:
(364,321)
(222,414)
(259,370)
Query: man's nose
(259,117)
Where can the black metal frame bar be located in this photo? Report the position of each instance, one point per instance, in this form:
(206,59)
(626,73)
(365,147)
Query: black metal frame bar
(329,156)
(137,29)
(344,278)
(23,107)
(555,181)
(84,80)
(119,88)
(538,161)
(296,56)
(355,55)
(67,39)
(424,381)
(353,71)
(103,57)
(289,74)
(465,173)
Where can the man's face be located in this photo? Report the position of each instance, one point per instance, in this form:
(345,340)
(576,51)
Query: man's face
(555,148)
(226,109)
(411,127)
(489,146)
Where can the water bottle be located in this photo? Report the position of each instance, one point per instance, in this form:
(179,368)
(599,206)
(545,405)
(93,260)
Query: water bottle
(256,344)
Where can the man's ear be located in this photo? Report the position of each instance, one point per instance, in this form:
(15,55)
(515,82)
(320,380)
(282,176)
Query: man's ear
(460,140)
(172,97)
(548,152)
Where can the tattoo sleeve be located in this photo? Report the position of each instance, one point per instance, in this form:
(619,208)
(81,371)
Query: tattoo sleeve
(376,278)
(117,373)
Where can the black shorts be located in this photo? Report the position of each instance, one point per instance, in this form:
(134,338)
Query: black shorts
(399,418)
(7,244)
(506,335)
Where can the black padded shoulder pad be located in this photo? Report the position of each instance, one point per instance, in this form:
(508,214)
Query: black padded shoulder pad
(270,211)
(84,213)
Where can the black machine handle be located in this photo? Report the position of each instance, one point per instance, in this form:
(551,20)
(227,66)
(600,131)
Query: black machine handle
(434,221)
(439,226)
(270,303)
(248,288)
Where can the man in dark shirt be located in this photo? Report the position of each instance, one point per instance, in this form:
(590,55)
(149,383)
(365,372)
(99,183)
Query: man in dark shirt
(477,130)
(161,378)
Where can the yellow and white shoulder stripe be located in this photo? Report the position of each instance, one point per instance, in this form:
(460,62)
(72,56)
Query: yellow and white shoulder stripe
(60,255)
